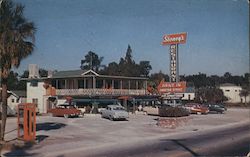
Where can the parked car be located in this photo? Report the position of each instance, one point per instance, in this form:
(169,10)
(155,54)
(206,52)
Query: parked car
(101,109)
(196,108)
(114,112)
(154,110)
(218,108)
(151,110)
(65,110)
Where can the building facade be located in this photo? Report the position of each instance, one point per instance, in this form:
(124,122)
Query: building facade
(232,92)
(81,85)
(15,98)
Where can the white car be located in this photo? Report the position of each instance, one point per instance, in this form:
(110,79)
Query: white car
(154,110)
(114,112)
(151,110)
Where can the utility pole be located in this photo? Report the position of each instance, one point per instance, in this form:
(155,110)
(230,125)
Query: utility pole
(91,60)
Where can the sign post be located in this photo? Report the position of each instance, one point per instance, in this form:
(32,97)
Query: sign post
(174,40)
(174,86)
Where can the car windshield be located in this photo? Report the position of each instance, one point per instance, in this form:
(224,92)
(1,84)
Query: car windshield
(118,108)
(65,106)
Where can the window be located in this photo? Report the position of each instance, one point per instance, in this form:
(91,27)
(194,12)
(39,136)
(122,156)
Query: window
(80,84)
(13,100)
(53,83)
(35,101)
(61,84)
(34,83)
(227,90)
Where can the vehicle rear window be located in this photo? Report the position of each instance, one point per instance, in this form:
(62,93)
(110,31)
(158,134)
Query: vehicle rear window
(118,108)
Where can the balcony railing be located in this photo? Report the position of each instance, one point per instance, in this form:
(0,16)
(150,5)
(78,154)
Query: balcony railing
(97,92)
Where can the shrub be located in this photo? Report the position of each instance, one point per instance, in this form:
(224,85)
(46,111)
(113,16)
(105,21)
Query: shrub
(88,109)
(173,112)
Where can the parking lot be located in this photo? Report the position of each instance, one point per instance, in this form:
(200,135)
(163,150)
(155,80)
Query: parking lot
(61,135)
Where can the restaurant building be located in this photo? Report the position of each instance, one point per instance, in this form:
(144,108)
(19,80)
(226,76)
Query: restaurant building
(83,86)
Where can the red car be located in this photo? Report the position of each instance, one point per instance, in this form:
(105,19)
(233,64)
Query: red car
(196,108)
(66,111)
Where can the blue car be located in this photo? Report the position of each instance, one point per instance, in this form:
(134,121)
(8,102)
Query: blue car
(218,108)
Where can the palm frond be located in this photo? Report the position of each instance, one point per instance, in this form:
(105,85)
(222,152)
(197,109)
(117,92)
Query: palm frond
(16,35)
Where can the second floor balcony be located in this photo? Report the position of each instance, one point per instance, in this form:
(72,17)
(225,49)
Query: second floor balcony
(89,83)
(99,92)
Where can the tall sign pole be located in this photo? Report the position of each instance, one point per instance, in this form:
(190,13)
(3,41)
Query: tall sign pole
(173,68)
(174,40)
(174,88)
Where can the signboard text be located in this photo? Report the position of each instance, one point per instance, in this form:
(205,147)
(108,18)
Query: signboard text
(174,39)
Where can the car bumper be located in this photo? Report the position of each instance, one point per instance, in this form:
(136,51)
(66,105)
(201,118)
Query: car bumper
(120,117)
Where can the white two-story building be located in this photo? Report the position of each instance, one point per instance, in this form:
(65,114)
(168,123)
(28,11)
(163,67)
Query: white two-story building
(81,85)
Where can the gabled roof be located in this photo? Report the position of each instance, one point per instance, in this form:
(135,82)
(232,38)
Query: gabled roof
(16,93)
(74,73)
(91,72)
(87,73)
(19,93)
(68,73)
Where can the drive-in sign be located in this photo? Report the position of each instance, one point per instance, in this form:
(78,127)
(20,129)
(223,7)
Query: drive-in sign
(179,38)
(172,87)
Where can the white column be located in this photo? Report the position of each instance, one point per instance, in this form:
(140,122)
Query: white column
(94,82)
(112,82)
(120,84)
(65,82)
(56,84)
(104,83)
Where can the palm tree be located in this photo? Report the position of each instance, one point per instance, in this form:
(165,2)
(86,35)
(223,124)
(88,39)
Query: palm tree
(16,43)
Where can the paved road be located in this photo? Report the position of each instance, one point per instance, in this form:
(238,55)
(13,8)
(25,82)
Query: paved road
(94,136)
(226,142)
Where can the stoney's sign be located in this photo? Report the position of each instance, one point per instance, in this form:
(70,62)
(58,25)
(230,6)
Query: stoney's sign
(171,87)
(170,39)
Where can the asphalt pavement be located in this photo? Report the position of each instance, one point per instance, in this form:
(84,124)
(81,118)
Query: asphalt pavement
(225,142)
(91,136)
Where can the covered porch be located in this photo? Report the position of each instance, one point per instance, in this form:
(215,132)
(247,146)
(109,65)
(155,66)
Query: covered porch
(93,84)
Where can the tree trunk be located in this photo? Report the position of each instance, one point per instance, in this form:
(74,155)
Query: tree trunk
(4,108)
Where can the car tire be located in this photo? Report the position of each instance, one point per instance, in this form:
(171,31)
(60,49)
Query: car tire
(111,118)
(66,116)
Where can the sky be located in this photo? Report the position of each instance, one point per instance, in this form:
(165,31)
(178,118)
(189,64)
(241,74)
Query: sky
(217,33)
